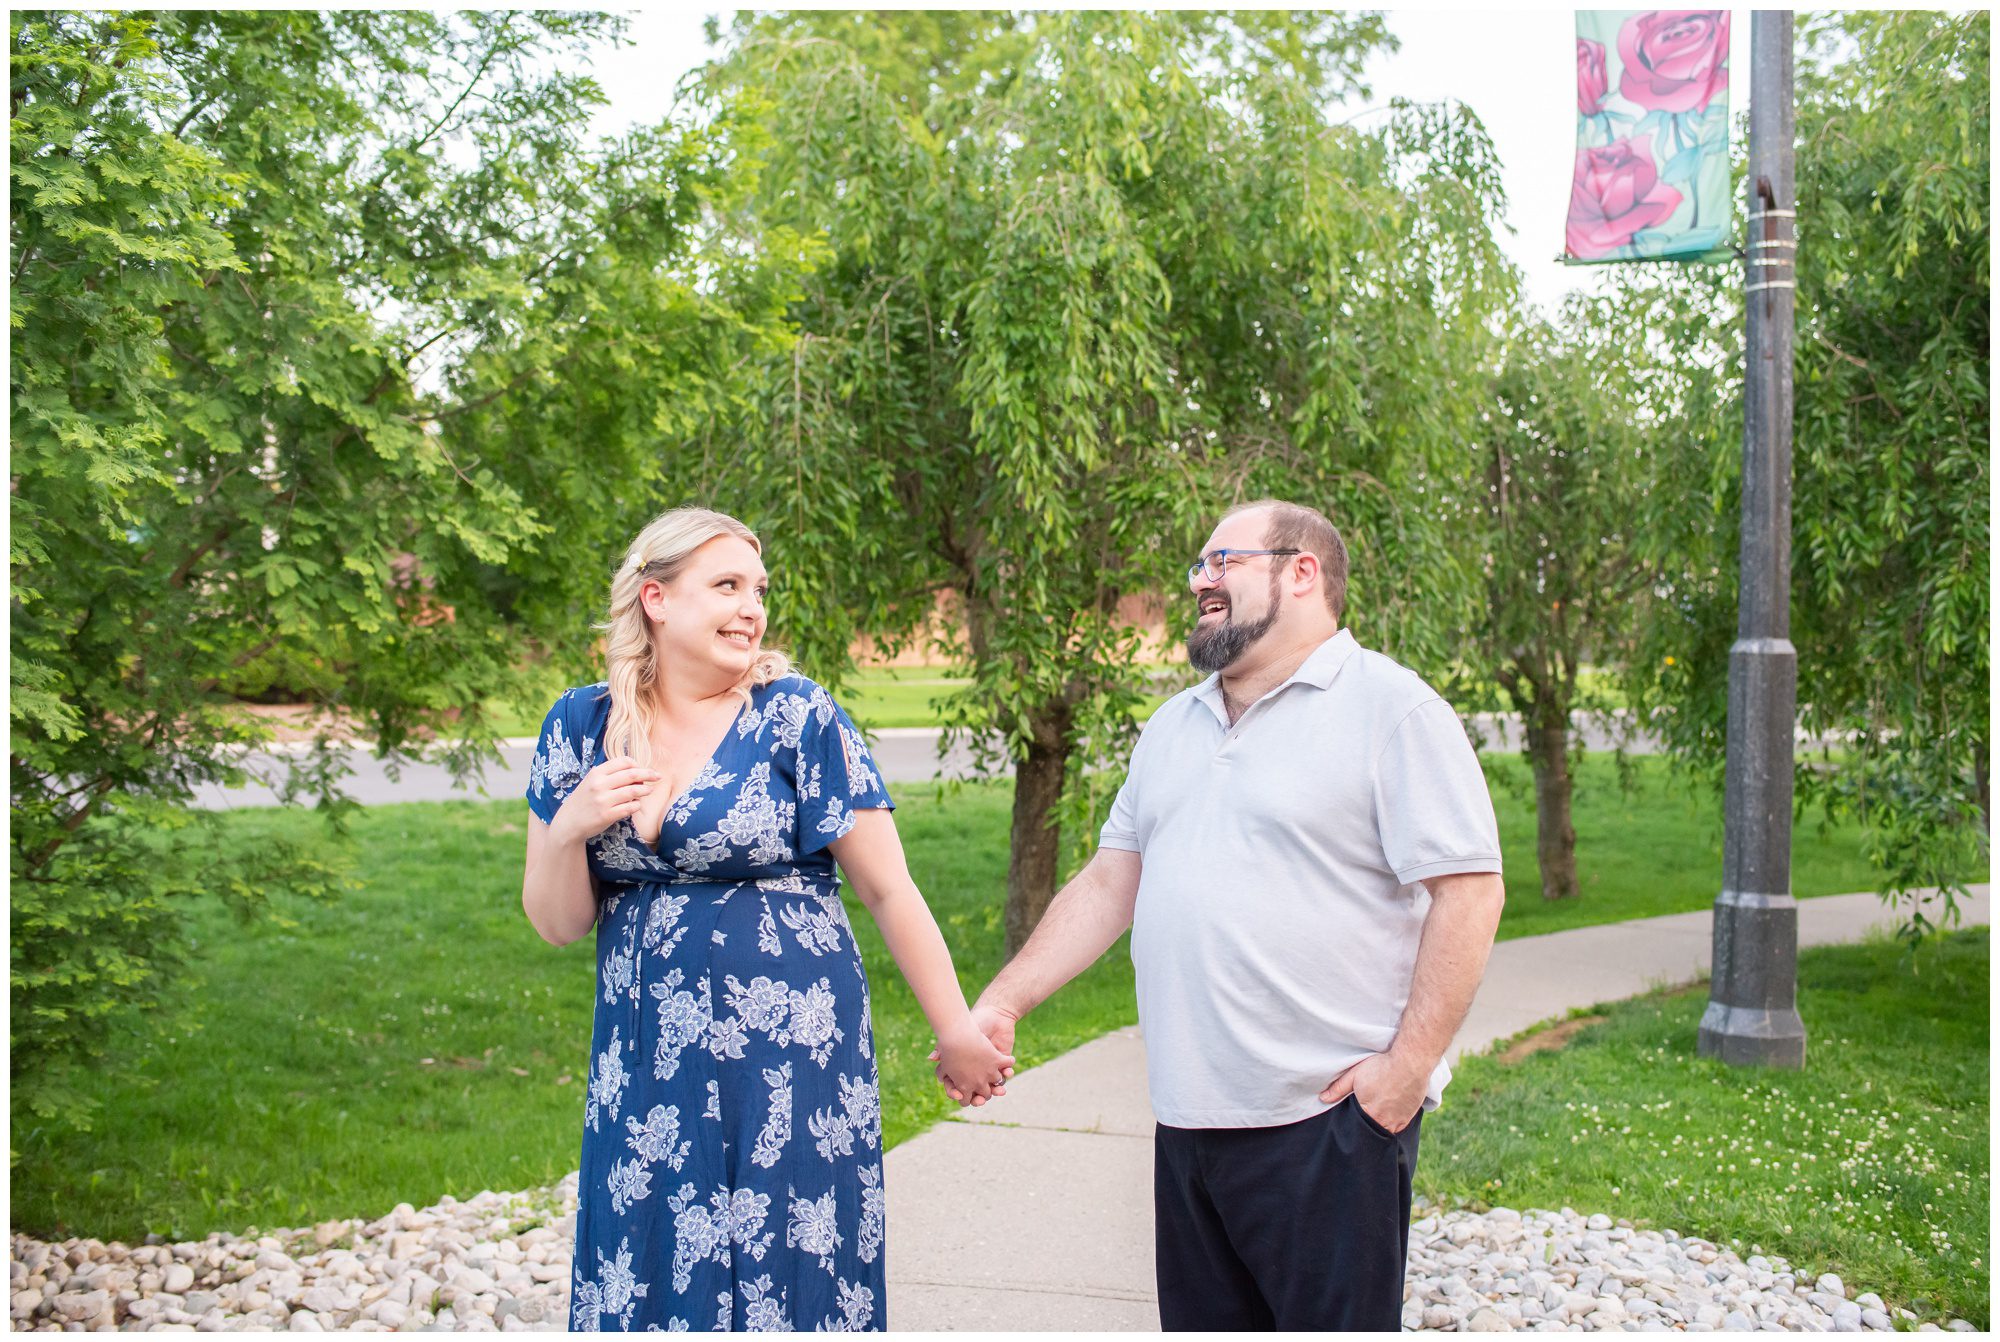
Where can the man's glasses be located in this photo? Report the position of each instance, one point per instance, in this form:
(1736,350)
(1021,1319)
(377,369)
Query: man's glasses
(1215,563)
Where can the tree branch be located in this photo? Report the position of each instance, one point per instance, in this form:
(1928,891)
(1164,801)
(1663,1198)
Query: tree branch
(179,576)
(192,113)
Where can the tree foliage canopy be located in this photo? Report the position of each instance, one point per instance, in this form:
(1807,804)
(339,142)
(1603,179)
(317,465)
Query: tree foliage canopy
(1569,459)
(1091,278)
(254,254)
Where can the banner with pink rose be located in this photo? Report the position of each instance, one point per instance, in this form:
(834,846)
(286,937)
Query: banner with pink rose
(1652,137)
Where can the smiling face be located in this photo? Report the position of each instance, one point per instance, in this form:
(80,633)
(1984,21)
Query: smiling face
(712,612)
(1236,610)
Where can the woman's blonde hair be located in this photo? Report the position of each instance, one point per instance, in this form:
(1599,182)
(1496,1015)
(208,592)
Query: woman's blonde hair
(659,553)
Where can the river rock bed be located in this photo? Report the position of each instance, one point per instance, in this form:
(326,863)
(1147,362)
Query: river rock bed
(500,1262)
(1504,1270)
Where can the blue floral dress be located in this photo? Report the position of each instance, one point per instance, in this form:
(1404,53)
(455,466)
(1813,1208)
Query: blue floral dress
(732,1144)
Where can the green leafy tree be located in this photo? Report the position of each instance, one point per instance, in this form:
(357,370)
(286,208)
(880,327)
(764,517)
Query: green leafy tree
(265,266)
(1566,468)
(1891,604)
(1090,279)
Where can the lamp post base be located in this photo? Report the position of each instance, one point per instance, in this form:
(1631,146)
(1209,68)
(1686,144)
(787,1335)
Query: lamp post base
(1752,1036)
(1753,1016)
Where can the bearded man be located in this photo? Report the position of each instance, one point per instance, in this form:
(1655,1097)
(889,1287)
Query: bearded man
(1306,853)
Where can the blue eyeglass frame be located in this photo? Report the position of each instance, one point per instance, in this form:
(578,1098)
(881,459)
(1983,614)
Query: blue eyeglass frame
(1199,568)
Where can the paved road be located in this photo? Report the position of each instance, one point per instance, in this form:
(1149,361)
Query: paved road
(905,754)
(1035,1213)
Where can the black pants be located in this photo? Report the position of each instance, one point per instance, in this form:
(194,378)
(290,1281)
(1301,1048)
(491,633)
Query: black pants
(1303,1227)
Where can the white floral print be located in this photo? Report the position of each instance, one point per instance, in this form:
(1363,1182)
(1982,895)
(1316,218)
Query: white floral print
(874,1212)
(813,1021)
(726,1037)
(814,1228)
(817,929)
(857,1307)
(757,822)
(701,852)
(862,779)
(858,1116)
(683,1019)
(837,821)
(709,779)
(776,1133)
(607,1083)
(655,1139)
(611,1296)
(628,1184)
(663,930)
(763,1313)
(618,848)
(787,714)
(557,766)
(763,1003)
(731,1218)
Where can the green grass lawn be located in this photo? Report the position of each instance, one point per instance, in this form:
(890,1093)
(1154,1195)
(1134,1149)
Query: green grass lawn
(1656,849)
(1873,1162)
(414,1037)
(898,696)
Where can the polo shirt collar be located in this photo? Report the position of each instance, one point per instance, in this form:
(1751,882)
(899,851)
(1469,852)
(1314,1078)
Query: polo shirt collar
(1324,664)
(1318,670)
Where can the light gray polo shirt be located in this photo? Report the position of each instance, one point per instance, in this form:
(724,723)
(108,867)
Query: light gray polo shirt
(1279,900)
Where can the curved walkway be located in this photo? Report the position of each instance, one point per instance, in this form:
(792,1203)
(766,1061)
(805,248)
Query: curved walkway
(1036,1211)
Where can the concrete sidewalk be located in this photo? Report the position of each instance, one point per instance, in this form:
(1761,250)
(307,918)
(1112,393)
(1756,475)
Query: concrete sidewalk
(1036,1212)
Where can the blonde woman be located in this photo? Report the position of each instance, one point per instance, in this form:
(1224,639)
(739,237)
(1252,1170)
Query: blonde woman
(691,809)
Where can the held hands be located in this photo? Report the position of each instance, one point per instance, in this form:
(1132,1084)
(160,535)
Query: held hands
(973,1065)
(610,792)
(1389,1089)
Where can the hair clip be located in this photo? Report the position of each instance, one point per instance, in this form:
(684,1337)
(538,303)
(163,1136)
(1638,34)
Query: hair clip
(637,562)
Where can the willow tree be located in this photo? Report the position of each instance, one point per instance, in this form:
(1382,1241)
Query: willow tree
(1568,467)
(1089,279)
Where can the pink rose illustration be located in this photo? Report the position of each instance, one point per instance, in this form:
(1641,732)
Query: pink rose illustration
(1591,82)
(1676,60)
(1616,193)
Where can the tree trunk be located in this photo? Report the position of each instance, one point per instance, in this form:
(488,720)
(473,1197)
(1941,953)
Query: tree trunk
(1555,836)
(1035,844)
(1982,770)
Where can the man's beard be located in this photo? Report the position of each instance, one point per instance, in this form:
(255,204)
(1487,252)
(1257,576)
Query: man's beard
(1215,648)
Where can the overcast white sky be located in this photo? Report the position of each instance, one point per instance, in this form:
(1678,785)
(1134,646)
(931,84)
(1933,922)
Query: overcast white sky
(1515,68)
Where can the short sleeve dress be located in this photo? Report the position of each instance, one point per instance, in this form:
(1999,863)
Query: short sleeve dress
(731,1175)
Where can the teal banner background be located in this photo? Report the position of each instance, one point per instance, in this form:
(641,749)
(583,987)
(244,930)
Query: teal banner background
(1652,137)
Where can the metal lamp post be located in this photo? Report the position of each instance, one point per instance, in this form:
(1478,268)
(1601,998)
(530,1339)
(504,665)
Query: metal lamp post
(1752,1015)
